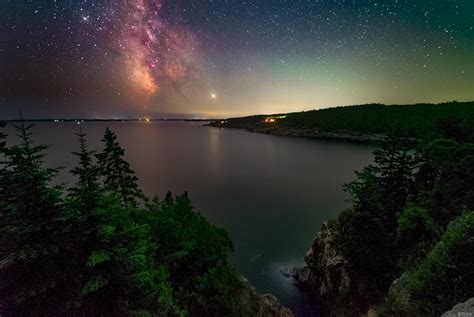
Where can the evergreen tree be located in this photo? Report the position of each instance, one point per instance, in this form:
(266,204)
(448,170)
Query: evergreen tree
(81,221)
(395,166)
(30,232)
(116,273)
(379,193)
(189,243)
(445,179)
(88,189)
(384,187)
(117,175)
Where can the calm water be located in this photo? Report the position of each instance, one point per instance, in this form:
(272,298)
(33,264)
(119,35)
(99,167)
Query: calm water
(270,193)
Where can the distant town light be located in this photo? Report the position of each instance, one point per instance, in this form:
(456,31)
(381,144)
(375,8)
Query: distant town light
(273,118)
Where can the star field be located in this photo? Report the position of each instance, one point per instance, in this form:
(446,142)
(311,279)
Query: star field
(104,58)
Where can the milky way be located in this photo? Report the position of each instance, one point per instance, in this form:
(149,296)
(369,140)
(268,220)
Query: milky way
(157,56)
(215,58)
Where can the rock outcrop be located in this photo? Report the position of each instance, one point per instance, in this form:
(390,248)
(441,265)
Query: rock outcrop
(465,309)
(326,274)
(254,304)
(399,291)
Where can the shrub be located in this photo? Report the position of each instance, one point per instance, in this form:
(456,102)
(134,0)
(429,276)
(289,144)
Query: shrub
(446,277)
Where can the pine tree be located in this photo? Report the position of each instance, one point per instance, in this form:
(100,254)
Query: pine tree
(88,190)
(30,231)
(117,175)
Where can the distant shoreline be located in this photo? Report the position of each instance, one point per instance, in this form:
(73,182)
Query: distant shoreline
(106,120)
(308,133)
(362,123)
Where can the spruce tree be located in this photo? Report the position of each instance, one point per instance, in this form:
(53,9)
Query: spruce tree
(30,231)
(88,190)
(379,193)
(80,221)
(117,175)
(116,273)
(395,165)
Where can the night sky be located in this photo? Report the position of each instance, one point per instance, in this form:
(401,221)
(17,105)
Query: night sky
(219,58)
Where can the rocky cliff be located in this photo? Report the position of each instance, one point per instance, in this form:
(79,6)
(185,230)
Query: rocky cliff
(254,304)
(326,275)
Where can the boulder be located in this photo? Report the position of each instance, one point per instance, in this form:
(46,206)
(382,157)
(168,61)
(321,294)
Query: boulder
(399,290)
(465,309)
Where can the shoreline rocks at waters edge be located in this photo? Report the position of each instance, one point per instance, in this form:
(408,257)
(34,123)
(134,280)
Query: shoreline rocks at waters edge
(313,133)
(255,304)
(326,277)
(326,274)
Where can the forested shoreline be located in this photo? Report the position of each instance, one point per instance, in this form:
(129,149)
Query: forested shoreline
(360,123)
(99,247)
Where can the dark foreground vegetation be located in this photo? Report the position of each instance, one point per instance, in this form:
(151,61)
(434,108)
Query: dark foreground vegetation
(358,123)
(99,247)
(406,246)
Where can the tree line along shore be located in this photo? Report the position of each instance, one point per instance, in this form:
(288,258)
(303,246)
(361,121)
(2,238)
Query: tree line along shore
(362,123)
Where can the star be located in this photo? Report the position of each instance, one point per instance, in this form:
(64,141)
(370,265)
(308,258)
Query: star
(160,54)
